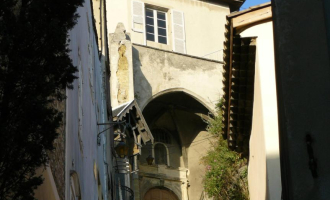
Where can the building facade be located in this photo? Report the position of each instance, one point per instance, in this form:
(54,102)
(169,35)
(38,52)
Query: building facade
(140,133)
(167,56)
(135,122)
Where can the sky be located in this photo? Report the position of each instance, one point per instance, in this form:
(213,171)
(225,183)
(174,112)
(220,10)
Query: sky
(249,3)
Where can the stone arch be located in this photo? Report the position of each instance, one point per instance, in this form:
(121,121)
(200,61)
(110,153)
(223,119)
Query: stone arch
(75,185)
(183,114)
(159,190)
(175,99)
(200,99)
(146,187)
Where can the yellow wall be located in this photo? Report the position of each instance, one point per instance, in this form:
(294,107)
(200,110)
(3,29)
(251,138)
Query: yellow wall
(46,191)
(264,164)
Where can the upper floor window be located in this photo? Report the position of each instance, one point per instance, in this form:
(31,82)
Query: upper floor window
(159,25)
(156,26)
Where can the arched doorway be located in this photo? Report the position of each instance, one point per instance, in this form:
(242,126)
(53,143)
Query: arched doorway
(160,194)
(183,118)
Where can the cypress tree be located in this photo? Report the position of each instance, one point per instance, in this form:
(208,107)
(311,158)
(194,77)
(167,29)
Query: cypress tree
(35,69)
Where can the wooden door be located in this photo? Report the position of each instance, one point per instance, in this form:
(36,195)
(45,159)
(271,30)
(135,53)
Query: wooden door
(159,194)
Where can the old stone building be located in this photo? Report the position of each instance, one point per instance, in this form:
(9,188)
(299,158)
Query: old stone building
(167,56)
(150,73)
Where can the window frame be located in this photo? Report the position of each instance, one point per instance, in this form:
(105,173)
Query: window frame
(155,25)
(167,153)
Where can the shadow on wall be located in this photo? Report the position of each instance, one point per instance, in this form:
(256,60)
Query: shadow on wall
(273,178)
(139,78)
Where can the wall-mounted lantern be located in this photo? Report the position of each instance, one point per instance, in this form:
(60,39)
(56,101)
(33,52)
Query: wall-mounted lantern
(150,159)
(121,149)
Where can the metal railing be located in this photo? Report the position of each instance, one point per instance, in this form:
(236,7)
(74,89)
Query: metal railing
(126,193)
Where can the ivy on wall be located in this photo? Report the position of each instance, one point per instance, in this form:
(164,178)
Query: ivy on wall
(226,172)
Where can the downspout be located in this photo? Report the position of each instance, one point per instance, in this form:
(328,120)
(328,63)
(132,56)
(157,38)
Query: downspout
(101,25)
(106,173)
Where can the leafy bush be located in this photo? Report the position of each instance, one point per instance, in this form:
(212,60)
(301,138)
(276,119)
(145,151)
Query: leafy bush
(226,171)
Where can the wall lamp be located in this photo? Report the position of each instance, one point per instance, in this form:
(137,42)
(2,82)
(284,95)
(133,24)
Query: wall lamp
(150,159)
(121,149)
(108,123)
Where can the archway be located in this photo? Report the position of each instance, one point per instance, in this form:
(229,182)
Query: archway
(75,193)
(184,119)
(160,194)
(207,104)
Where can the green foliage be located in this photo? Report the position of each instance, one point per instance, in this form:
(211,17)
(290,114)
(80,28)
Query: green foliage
(215,125)
(35,68)
(226,171)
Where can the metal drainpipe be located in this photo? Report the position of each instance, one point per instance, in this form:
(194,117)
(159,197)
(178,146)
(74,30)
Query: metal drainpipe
(188,185)
(105,174)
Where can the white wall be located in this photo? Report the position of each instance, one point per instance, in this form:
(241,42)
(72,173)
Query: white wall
(204,24)
(264,163)
(85,107)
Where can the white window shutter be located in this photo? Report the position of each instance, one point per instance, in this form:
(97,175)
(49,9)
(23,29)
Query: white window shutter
(138,16)
(178,32)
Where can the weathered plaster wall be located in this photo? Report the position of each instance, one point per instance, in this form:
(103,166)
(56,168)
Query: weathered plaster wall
(194,143)
(204,24)
(264,164)
(86,106)
(156,71)
(76,146)
(121,66)
(122,74)
(162,176)
(196,151)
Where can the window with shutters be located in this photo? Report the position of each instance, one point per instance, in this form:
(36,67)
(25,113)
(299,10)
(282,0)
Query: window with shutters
(156,25)
(161,27)
(178,29)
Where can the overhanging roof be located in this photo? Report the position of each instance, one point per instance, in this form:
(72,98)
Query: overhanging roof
(131,112)
(252,16)
(250,9)
(234,4)
(121,110)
